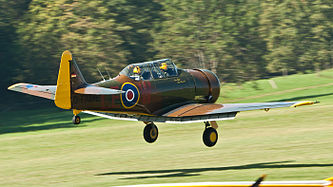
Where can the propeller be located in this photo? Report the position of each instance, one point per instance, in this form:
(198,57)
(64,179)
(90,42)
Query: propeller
(258,181)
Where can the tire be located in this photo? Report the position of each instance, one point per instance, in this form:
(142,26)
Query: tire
(76,120)
(210,137)
(150,133)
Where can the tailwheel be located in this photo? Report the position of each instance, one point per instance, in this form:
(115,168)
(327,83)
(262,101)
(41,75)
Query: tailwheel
(210,136)
(76,120)
(150,132)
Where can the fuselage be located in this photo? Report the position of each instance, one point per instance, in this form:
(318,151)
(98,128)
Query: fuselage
(154,96)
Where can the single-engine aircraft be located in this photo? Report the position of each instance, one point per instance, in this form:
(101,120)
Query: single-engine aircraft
(155,91)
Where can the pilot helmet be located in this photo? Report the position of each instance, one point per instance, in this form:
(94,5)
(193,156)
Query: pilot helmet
(164,66)
(136,70)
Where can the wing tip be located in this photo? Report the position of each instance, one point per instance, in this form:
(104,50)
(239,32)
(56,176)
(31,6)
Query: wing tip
(301,103)
(12,87)
(329,179)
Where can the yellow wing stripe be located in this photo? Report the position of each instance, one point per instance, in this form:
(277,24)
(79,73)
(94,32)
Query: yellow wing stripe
(303,103)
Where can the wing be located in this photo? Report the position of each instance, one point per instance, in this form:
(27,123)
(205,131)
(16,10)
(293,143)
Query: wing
(199,112)
(47,92)
(208,109)
(164,119)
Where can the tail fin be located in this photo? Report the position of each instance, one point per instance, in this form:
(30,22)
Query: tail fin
(69,78)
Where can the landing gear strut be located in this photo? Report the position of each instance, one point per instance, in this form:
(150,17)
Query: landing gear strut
(210,135)
(150,132)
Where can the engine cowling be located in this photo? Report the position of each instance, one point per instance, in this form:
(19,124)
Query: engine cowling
(207,85)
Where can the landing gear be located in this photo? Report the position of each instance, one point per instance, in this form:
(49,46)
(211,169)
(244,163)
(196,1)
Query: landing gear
(76,120)
(150,132)
(210,135)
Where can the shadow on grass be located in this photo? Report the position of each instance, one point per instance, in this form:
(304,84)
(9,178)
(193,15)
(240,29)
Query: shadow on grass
(38,119)
(42,127)
(197,171)
(302,97)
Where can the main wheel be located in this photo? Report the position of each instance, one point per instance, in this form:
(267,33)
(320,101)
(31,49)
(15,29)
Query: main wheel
(210,137)
(150,133)
(76,120)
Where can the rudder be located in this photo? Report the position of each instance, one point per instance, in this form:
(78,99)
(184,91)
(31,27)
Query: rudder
(69,79)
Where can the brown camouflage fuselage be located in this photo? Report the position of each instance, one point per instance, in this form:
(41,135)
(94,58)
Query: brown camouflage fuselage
(156,96)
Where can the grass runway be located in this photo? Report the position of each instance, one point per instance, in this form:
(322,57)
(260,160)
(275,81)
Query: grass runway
(42,148)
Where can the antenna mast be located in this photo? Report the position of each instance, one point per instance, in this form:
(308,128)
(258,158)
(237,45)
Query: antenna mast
(101,74)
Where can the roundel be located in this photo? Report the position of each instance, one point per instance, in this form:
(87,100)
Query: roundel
(131,95)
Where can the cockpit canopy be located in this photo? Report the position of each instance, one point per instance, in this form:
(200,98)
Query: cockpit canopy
(150,70)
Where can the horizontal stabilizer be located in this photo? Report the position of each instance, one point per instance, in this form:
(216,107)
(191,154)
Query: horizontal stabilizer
(47,92)
(94,90)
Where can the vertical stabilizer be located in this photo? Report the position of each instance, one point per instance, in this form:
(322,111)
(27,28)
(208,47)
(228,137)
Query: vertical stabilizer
(69,79)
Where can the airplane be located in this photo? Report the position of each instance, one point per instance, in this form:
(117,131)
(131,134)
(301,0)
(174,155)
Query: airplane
(155,91)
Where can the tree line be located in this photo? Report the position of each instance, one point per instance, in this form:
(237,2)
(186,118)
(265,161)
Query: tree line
(240,40)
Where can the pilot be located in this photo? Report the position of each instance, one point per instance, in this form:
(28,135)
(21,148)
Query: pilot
(136,72)
(168,71)
(164,68)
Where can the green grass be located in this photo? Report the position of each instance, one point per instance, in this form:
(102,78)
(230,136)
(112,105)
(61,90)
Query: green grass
(256,90)
(42,148)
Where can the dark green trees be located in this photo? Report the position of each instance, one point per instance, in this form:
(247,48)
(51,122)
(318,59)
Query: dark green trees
(238,39)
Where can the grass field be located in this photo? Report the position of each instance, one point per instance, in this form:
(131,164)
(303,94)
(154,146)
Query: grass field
(41,147)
